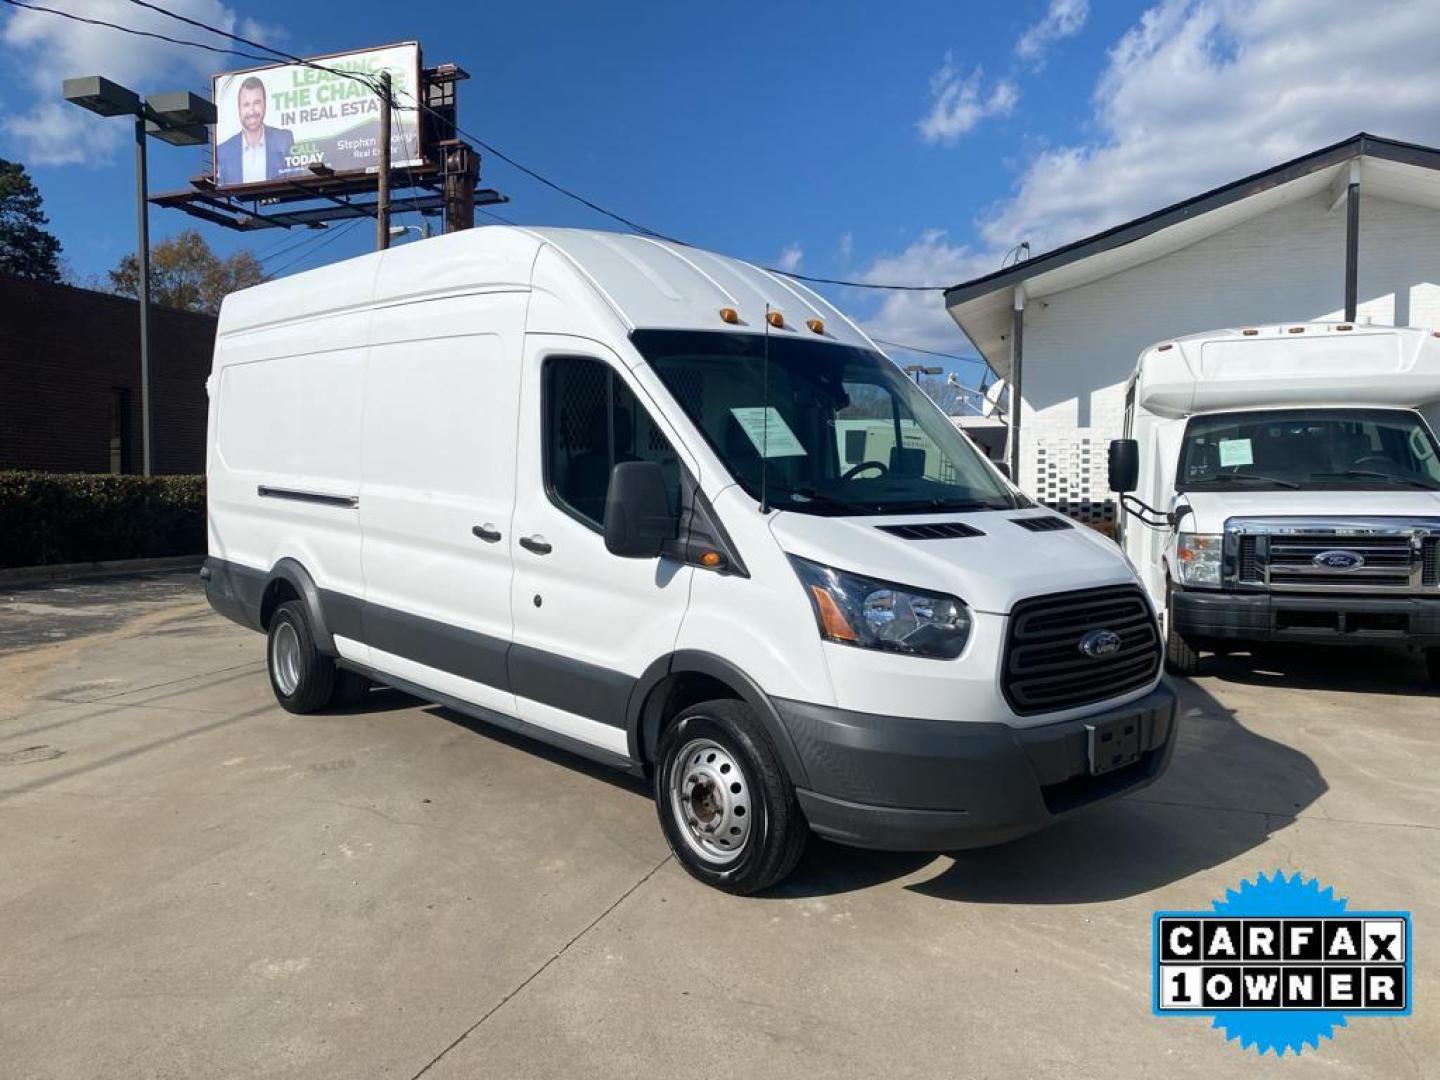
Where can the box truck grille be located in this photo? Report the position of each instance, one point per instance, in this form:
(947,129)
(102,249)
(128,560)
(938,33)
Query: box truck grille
(1045,668)
(1430,572)
(1249,564)
(1387,561)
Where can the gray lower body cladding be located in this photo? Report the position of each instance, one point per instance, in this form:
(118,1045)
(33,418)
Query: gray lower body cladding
(936,785)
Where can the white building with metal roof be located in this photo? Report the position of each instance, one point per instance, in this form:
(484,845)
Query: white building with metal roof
(1348,232)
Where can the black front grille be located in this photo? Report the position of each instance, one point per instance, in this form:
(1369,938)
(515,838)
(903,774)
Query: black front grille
(932,530)
(1249,564)
(1046,671)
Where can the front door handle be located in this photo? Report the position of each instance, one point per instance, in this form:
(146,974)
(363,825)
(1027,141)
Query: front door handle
(538,544)
(487,532)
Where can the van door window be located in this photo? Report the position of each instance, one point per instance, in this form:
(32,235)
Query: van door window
(592,423)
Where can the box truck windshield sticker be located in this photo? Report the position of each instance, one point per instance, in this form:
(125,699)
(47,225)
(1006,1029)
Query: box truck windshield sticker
(768,431)
(1279,963)
(1235,452)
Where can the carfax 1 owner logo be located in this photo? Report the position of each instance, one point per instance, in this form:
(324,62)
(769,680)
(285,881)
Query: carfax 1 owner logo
(1279,964)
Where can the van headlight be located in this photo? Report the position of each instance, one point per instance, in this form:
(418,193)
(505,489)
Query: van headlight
(871,614)
(1197,556)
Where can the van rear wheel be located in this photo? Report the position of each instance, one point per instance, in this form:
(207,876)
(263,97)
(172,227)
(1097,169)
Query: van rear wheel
(726,805)
(302,677)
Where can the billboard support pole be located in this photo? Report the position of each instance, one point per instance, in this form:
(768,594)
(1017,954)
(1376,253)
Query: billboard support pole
(382,206)
(142,255)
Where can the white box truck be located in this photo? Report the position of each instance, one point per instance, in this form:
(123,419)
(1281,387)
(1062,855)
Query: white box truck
(595,488)
(1282,484)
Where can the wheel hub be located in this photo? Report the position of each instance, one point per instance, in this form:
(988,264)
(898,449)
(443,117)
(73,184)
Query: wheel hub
(710,800)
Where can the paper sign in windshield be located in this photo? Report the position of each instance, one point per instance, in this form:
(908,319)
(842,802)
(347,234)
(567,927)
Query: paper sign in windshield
(1235,452)
(767,429)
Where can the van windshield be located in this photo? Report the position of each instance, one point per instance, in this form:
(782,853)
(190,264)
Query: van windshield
(841,430)
(1315,449)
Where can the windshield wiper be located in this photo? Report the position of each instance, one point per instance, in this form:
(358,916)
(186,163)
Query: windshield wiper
(810,494)
(1391,478)
(1236,478)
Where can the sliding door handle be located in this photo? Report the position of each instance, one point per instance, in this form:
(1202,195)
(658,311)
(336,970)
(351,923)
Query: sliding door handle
(538,544)
(487,532)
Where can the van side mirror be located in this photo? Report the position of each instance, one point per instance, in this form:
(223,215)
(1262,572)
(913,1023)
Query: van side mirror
(1124,465)
(638,518)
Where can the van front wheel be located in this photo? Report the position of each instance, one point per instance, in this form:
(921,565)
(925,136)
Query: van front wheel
(302,677)
(726,805)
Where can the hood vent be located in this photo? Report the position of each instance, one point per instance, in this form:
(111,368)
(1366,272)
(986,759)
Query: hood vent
(935,530)
(1048,523)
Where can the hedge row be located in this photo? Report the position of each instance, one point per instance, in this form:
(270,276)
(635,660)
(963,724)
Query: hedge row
(87,517)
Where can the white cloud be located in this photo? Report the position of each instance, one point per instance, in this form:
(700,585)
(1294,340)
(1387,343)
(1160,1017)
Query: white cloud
(1063,19)
(958,102)
(919,318)
(1201,92)
(48,49)
(790,258)
(846,248)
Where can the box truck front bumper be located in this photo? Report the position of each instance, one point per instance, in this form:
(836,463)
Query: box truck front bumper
(902,784)
(1203,616)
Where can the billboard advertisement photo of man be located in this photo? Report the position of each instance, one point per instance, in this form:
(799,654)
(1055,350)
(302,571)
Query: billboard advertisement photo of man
(257,151)
(281,121)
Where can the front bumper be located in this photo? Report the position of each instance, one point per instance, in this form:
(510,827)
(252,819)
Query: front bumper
(1203,616)
(901,784)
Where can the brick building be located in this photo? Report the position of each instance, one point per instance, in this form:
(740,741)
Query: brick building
(70,381)
(1271,248)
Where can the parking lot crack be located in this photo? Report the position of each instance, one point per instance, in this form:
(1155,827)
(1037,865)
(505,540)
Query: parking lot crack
(543,967)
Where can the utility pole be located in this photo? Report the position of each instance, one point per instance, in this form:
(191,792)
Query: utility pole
(382,203)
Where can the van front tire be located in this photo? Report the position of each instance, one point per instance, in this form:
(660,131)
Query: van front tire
(726,805)
(302,677)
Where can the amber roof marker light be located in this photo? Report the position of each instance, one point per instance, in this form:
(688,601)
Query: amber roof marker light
(775,319)
(729,315)
(817,326)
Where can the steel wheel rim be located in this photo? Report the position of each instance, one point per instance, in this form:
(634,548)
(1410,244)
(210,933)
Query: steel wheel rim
(285,658)
(709,797)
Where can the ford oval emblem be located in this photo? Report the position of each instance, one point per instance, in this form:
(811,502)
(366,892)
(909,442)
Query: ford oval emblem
(1339,560)
(1100,643)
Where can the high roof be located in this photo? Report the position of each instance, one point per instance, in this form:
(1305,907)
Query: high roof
(652,284)
(1405,172)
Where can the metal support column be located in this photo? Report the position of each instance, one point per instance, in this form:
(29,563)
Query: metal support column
(1017,357)
(142,258)
(1352,242)
(462,170)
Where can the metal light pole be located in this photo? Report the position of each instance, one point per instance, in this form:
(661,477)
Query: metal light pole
(142,256)
(177,118)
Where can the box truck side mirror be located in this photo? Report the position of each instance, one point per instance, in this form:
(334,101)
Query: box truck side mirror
(638,517)
(1124,465)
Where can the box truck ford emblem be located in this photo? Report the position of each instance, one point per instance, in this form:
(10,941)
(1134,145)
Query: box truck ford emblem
(1339,560)
(1100,643)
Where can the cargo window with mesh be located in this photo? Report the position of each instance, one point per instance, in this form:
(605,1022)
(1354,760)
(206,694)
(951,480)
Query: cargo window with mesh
(592,423)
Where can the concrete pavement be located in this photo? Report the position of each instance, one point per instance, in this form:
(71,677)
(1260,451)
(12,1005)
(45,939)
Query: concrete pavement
(196,883)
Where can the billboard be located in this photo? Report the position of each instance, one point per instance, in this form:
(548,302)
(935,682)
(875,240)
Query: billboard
(275,122)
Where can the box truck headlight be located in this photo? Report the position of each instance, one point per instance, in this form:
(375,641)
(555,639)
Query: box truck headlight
(1198,558)
(873,614)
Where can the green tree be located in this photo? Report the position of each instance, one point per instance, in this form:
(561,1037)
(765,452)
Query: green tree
(186,274)
(26,248)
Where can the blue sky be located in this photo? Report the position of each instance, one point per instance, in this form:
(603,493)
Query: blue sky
(909,142)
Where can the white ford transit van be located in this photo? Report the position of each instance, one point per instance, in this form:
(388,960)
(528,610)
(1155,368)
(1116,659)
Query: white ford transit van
(607,491)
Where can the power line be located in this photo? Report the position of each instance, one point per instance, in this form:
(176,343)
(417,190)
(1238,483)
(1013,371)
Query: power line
(482,143)
(133,31)
(306,254)
(928,352)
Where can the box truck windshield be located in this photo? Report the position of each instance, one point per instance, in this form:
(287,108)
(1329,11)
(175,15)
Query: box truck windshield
(839,430)
(1312,449)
